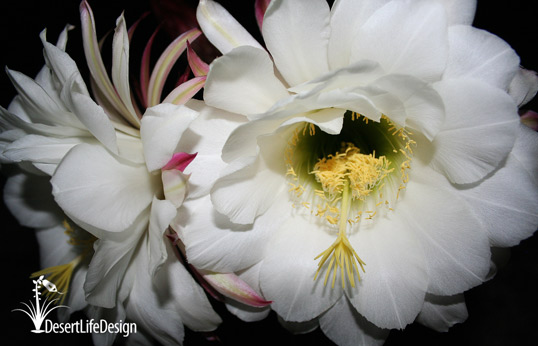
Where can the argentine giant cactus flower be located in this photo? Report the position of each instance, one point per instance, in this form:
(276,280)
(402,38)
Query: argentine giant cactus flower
(364,191)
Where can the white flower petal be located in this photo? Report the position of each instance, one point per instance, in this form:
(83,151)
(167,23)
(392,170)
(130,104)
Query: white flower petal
(289,263)
(243,81)
(423,107)
(111,315)
(93,186)
(474,111)
(174,186)
(248,187)
(508,223)
(221,29)
(442,312)
(247,313)
(408,37)
(206,136)
(344,12)
(199,225)
(456,249)
(162,127)
(109,264)
(185,295)
(29,198)
(460,11)
(60,63)
(44,108)
(299,327)
(53,246)
(150,311)
(524,86)
(162,213)
(120,67)
(345,326)
(41,149)
(476,53)
(392,289)
(89,113)
(130,147)
(298,42)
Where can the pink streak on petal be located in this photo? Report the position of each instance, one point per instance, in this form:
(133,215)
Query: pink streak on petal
(231,286)
(163,66)
(179,161)
(198,66)
(530,118)
(144,68)
(260,6)
(184,92)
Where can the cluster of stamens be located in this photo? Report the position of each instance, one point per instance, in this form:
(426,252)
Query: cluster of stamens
(351,184)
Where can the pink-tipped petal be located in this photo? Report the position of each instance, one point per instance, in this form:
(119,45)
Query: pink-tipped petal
(144,68)
(163,66)
(179,161)
(260,6)
(231,286)
(530,119)
(198,66)
(185,91)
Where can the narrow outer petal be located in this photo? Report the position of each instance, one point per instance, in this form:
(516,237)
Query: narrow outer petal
(230,285)
(221,29)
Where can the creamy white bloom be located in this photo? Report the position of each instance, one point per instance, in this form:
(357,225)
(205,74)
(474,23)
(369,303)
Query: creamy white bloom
(118,177)
(382,133)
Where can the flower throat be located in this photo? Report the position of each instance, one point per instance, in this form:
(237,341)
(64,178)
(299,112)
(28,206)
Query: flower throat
(346,177)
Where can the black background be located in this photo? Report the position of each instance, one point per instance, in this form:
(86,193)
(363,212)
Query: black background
(503,311)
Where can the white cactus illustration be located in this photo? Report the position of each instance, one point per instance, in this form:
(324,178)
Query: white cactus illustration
(39,311)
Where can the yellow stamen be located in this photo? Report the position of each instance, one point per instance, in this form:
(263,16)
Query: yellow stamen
(342,254)
(61,275)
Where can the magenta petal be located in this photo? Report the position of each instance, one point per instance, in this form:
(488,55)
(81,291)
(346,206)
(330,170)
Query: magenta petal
(231,286)
(179,161)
